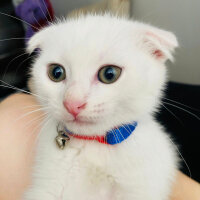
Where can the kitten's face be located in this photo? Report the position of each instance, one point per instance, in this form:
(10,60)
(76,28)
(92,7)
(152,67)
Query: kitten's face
(96,73)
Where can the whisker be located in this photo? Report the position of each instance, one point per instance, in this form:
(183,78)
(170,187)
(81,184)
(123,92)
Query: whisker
(38,118)
(183,110)
(47,11)
(190,174)
(172,113)
(44,123)
(26,114)
(42,126)
(129,131)
(19,20)
(32,106)
(129,128)
(43,11)
(120,133)
(37,135)
(37,21)
(115,135)
(30,57)
(21,90)
(123,138)
(11,62)
(8,39)
(181,104)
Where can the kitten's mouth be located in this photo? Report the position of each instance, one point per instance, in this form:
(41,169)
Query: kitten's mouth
(80,122)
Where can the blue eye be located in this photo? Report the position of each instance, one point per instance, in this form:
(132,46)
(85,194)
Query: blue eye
(56,72)
(109,74)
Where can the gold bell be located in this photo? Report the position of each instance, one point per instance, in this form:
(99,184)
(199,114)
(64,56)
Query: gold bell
(62,139)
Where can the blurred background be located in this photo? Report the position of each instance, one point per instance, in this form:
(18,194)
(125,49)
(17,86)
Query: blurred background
(180,16)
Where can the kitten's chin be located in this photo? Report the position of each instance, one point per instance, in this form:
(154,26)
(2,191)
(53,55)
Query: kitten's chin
(86,127)
(78,122)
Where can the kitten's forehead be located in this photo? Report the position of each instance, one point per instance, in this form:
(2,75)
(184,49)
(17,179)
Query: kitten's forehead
(94,36)
(80,38)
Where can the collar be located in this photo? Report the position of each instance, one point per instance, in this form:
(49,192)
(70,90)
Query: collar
(114,136)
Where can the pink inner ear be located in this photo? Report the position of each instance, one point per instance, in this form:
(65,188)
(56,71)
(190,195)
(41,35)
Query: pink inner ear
(159,54)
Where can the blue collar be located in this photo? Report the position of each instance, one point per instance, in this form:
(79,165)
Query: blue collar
(114,136)
(120,134)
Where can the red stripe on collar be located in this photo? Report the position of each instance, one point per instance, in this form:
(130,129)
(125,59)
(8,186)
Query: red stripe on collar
(100,139)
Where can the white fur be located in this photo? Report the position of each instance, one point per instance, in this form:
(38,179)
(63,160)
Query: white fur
(140,168)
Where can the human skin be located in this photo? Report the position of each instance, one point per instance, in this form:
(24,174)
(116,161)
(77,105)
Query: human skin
(18,134)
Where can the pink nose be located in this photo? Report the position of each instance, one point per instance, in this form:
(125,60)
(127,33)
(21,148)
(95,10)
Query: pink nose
(74,107)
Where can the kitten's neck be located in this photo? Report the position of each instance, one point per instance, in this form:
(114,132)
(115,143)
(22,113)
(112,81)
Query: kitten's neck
(114,136)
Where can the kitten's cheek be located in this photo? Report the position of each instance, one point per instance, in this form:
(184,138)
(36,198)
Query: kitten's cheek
(101,111)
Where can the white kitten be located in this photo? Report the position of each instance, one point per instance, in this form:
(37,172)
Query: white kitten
(94,74)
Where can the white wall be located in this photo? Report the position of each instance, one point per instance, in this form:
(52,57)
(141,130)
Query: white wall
(180,16)
(62,7)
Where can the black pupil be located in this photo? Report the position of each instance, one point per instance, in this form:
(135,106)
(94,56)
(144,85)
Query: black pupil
(57,72)
(109,73)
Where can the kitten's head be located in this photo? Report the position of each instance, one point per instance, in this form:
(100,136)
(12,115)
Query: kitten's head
(98,72)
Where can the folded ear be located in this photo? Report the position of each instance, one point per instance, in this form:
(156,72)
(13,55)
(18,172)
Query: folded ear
(35,42)
(159,43)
